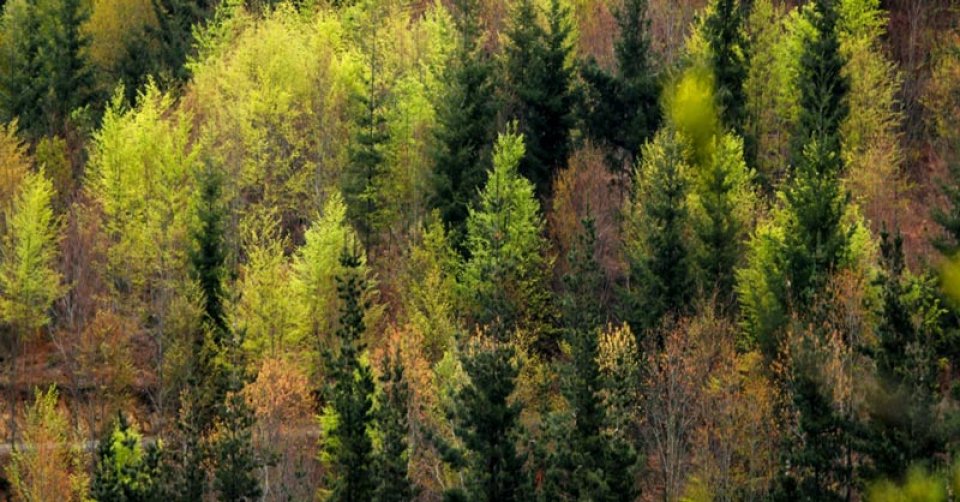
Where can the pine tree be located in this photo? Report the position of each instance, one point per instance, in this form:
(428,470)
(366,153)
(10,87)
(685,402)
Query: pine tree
(656,243)
(622,110)
(393,481)
(537,82)
(588,463)
(44,72)
(815,240)
(465,120)
(486,422)
(347,447)
(729,60)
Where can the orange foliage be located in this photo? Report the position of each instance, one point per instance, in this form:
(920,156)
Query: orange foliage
(587,189)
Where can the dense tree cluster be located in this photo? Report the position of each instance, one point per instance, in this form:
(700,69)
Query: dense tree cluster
(465,250)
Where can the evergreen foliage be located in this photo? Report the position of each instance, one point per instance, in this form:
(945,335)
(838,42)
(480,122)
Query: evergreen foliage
(466,115)
(657,242)
(505,278)
(126,471)
(347,446)
(486,421)
(44,72)
(622,109)
(393,480)
(729,59)
(537,81)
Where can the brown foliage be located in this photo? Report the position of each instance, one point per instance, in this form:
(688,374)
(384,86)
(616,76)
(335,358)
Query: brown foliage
(14,163)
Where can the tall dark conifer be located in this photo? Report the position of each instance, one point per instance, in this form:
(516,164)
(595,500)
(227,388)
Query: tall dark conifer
(729,60)
(348,445)
(393,480)
(486,421)
(537,81)
(622,109)
(466,117)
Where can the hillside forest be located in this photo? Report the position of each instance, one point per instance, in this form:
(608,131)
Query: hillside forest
(479,250)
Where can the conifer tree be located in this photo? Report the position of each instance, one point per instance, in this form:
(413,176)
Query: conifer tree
(465,119)
(538,82)
(347,446)
(622,109)
(235,475)
(393,480)
(657,245)
(486,421)
(44,71)
(126,471)
(505,278)
(588,463)
(815,240)
(362,177)
(729,60)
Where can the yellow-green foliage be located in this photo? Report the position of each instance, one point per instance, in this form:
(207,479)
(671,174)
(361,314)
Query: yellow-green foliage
(49,467)
(263,311)
(141,174)
(689,106)
(315,269)
(871,143)
(14,163)
(29,280)
(919,486)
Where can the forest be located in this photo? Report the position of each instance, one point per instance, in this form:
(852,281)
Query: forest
(479,250)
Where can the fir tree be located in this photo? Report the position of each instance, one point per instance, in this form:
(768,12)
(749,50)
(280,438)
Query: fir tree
(235,475)
(393,481)
(347,446)
(538,85)
(728,58)
(44,72)
(505,278)
(486,421)
(465,117)
(622,110)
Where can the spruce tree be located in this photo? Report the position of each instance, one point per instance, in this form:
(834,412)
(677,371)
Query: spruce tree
(589,463)
(125,471)
(486,421)
(729,60)
(235,475)
(363,175)
(347,447)
(44,71)
(393,481)
(815,240)
(622,109)
(465,119)
(538,82)
(657,245)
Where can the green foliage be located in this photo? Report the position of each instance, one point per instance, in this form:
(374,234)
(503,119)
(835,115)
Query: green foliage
(589,462)
(504,281)
(486,421)
(465,124)
(622,109)
(919,486)
(347,446)
(44,72)
(29,279)
(722,208)
(237,464)
(729,59)
(537,82)
(393,480)
(656,238)
(125,470)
